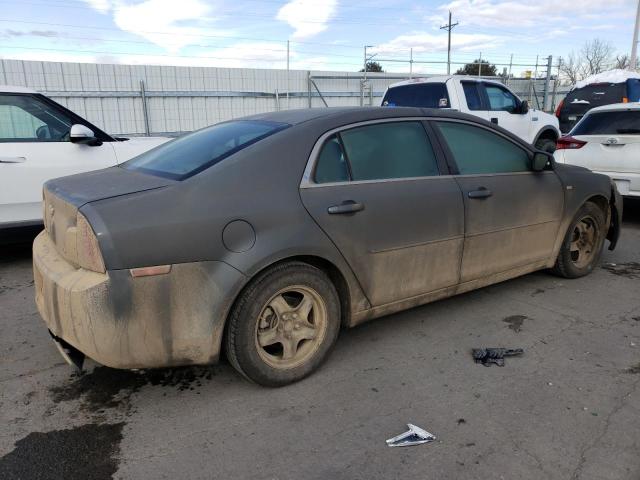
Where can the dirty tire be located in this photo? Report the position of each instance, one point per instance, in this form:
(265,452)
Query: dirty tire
(546,145)
(259,314)
(569,264)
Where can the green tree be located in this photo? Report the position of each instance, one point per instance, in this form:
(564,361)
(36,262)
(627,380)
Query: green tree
(373,67)
(486,69)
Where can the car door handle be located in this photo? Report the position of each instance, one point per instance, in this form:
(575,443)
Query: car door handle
(494,120)
(348,206)
(13,159)
(481,192)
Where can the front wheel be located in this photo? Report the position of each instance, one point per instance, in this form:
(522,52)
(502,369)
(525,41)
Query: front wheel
(283,325)
(582,245)
(546,145)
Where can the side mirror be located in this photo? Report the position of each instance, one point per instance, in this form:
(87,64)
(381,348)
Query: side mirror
(83,135)
(524,107)
(541,160)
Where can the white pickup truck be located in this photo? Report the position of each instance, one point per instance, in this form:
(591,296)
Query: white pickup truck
(40,140)
(483,98)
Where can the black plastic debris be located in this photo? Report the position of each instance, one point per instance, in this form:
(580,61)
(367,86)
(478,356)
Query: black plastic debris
(494,356)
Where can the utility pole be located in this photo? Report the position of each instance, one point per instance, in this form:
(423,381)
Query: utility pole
(634,45)
(363,84)
(288,84)
(449,26)
(411,64)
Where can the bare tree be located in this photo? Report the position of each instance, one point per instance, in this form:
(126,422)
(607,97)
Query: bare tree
(623,62)
(597,55)
(570,68)
(594,57)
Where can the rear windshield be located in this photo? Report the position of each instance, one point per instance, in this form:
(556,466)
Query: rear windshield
(582,99)
(425,95)
(625,122)
(185,156)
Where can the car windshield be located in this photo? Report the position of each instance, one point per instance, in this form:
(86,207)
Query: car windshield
(609,123)
(185,156)
(425,95)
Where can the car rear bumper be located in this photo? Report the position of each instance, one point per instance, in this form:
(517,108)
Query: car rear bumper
(145,322)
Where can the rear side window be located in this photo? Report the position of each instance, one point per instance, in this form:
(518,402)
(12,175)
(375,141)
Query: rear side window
(185,156)
(389,150)
(477,151)
(424,95)
(626,122)
(472,94)
(332,164)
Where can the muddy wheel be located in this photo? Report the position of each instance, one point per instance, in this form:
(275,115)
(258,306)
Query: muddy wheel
(283,325)
(582,245)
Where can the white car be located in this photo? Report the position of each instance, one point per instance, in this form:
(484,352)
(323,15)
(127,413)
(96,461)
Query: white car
(607,140)
(483,98)
(40,140)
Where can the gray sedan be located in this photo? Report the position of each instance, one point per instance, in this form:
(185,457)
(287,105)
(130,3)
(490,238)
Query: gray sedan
(262,237)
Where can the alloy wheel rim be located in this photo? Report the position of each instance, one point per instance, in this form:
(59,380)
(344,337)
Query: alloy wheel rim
(291,327)
(583,242)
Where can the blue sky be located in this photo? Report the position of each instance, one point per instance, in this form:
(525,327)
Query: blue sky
(324,34)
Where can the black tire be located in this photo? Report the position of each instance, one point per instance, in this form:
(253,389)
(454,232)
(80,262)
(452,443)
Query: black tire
(567,264)
(546,145)
(246,317)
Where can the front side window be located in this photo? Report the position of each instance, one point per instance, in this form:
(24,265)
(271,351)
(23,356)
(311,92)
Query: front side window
(190,154)
(624,122)
(501,99)
(423,95)
(25,118)
(472,94)
(480,151)
(389,150)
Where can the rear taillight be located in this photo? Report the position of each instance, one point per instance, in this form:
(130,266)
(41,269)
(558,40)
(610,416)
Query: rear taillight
(87,248)
(625,100)
(569,143)
(559,108)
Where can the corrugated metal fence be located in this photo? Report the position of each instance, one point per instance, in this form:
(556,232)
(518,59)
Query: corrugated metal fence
(158,100)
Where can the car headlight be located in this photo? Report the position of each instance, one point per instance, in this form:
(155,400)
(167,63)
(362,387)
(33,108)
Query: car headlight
(88,250)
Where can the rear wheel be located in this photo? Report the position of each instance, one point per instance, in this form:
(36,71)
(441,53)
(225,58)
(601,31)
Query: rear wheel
(582,245)
(283,325)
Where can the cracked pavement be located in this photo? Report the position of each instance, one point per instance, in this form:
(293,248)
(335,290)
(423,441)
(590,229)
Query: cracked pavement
(569,408)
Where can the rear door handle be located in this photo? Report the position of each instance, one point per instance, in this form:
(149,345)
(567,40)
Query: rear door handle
(481,192)
(348,206)
(13,159)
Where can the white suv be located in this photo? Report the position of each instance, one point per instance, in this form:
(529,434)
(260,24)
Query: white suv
(607,140)
(483,98)
(40,140)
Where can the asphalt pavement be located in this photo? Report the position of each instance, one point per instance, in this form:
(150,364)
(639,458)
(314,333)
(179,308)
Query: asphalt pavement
(569,408)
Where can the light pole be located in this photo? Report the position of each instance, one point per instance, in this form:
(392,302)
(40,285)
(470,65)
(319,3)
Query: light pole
(634,45)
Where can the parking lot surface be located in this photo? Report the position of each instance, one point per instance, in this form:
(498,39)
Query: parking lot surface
(569,408)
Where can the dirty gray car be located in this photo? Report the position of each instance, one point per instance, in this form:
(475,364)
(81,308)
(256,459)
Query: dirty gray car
(262,237)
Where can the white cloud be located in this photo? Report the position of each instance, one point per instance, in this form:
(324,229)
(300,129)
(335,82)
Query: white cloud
(102,6)
(170,24)
(307,17)
(518,14)
(423,42)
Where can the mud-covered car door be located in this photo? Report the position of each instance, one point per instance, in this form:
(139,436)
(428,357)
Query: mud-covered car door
(512,213)
(377,191)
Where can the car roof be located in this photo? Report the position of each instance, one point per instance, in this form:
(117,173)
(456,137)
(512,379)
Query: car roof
(354,114)
(13,89)
(440,79)
(615,107)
